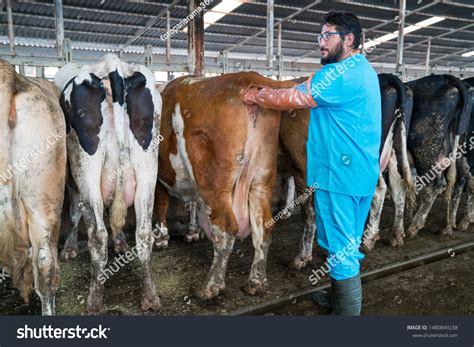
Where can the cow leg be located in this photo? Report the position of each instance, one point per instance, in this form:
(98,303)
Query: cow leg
(43,229)
(290,196)
(461,178)
(97,243)
(398,191)
(70,246)
(469,209)
(223,243)
(309,231)
(260,211)
(371,233)
(193,228)
(160,231)
(428,196)
(120,243)
(144,238)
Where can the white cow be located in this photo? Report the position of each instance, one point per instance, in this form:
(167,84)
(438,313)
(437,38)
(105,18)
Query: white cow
(32,175)
(113,118)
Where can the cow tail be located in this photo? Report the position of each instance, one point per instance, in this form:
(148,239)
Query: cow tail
(119,209)
(409,182)
(7,114)
(462,125)
(403,109)
(464,114)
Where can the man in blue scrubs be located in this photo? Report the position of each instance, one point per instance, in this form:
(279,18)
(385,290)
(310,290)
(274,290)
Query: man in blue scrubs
(343,150)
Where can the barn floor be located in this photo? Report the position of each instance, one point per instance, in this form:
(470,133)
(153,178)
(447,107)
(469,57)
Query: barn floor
(444,287)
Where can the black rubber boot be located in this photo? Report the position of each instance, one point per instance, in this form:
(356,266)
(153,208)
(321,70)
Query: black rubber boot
(347,296)
(324,298)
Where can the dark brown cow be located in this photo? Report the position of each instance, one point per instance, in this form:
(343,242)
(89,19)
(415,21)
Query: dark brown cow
(220,152)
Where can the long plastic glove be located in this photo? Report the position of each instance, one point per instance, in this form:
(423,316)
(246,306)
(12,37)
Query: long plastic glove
(279,99)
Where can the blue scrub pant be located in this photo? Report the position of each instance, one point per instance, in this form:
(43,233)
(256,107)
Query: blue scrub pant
(340,220)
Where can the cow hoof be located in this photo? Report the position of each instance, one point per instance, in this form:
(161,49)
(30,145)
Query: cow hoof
(413,230)
(161,242)
(68,252)
(192,236)
(120,246)
(397,241)
(94,308)
(447,231)
(254,287)
(285,215)
(369,244)
(209,293)
(464,224)
(300,262)
(150,303)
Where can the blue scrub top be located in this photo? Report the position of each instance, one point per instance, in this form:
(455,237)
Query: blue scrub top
(345,128)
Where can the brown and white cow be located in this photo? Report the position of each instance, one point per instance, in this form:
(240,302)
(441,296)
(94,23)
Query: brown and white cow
(32,175)
(113,116)
(222,153)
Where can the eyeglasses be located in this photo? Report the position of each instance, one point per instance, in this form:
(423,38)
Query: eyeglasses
(325,37)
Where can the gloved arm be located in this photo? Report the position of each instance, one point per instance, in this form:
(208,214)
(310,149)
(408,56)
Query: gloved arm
(280,99)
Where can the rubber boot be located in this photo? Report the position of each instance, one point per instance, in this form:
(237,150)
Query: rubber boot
(347,296)
(324,298)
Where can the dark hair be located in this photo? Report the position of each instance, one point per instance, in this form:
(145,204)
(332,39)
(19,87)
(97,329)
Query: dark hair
(346,22)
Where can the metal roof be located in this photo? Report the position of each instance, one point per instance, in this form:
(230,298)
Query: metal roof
(112,23)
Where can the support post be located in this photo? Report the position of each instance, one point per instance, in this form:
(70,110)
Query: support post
(279,55)
(148,55)
(58,15)
(11,36)
(362,49)
(168,38)
(427,62)
(401,26)
(196,39)
(270,31)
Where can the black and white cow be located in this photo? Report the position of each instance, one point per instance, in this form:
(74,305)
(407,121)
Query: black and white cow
(397,105)
(465,170)
(440,119)
(113,117)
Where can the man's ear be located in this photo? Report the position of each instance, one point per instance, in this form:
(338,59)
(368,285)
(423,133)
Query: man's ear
(349,40)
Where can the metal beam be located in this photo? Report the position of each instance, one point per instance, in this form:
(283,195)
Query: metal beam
(168,38)
(270,26)
(280,55)
(427,61)
(408,13)
(196,40)
(11,36)
(453,53)
(281,21)
(401,26)
(451,31)
(58,15)
(148,25)
(209,34)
